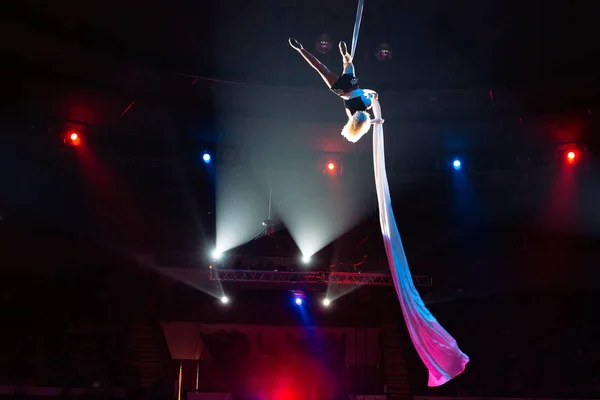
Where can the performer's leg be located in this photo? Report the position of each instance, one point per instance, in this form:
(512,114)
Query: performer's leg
(329,77)
(346,60)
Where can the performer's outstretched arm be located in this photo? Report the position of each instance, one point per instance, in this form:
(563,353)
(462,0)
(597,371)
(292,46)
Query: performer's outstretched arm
(371,93)
(376,121)
(329,77)
(373,96)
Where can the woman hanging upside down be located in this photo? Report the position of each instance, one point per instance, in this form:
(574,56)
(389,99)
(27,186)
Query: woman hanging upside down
(356,100)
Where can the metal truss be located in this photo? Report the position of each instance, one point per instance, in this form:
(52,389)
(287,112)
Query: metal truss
(321,277)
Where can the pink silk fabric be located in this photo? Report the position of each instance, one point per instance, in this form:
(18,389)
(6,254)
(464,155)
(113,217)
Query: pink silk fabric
(437,349)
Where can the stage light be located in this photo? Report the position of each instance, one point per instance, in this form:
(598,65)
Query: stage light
(73,138)
(384,52)
(571,153)
(298,301)
(324,44)
(326,302)
(216,254)
(572,156)
(206,158)
(456,164)
(224,299)
(332,167)
(306,259)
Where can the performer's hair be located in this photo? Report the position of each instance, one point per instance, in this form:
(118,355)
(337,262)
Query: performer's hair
(357,125)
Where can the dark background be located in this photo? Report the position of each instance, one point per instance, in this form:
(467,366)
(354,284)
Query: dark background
(151,86)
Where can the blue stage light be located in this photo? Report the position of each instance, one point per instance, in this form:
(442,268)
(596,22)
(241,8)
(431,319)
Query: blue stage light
(298,301)
(206,158)
(456,164)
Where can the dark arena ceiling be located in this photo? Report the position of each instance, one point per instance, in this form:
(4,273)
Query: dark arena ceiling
(493,72)
(151,86)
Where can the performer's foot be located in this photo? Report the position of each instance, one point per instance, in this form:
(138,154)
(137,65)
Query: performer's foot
(295,44)
(343,48)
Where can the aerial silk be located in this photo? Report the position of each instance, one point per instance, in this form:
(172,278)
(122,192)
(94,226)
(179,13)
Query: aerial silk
(437,349)
(359,11)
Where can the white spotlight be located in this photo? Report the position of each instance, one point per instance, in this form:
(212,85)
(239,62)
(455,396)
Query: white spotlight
(326,302)
(306,259)
(224,299)
(216,254)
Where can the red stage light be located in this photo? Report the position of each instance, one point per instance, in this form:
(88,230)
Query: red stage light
(73,139)
(572,156)
(331,167)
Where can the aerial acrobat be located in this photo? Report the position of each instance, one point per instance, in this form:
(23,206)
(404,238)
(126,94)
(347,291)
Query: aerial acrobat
(356,100)
(436,347)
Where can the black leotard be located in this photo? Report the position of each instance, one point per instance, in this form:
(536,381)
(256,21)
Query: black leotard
(346,84)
